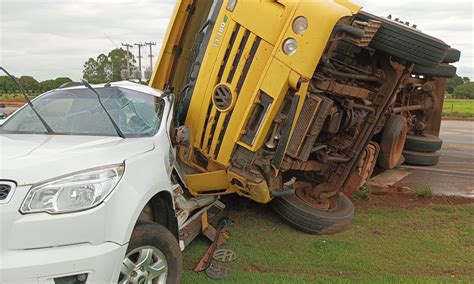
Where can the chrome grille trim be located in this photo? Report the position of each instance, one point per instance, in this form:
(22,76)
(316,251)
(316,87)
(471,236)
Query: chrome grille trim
(8,188)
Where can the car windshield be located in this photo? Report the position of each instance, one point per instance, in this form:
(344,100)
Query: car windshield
(78,112)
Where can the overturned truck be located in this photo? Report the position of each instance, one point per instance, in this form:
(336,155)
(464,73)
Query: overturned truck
(293,102)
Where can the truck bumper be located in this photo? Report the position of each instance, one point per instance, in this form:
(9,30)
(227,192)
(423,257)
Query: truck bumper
(100,263)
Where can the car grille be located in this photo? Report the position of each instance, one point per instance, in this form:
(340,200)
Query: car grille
(6,191)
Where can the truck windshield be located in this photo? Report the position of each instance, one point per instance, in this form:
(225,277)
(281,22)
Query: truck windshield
(78,112)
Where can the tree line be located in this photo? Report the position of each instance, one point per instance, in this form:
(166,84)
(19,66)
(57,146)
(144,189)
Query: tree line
(460,87)
(31,85)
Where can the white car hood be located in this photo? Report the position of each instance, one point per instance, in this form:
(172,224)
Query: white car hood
(29,159)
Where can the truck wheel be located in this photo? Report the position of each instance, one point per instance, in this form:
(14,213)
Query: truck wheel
(406,43)
(153,256)
(441,71)
(393,140)
(301,215)
(452,55)
(421,158)
(423,143)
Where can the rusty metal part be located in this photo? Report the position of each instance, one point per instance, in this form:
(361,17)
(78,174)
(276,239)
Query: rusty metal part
(408,108)
(364,170)
(191,229)
(310,195)
(352,76)
(394,73)
(350,104)
(221,236)
(370,28)
(308,166)
(332,86)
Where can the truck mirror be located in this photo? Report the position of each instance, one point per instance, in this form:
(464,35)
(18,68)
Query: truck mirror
(182,136)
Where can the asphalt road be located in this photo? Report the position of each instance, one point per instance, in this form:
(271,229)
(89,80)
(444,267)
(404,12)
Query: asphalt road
(457,132)
(454,175)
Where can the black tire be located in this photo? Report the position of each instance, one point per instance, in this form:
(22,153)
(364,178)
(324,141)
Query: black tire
(392,143)
(423,143)
(441,71)
(405,42)
(153,234)
(421,158)
(306,218)
(452,55)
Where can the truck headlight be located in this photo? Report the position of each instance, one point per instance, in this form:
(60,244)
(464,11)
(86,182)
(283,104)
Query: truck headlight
(300,25)
(290,46)
(75,192)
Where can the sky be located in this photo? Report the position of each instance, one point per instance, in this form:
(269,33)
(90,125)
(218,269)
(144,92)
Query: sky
(52,38)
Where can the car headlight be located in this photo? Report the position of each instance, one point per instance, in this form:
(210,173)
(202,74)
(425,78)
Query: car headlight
(300,25)
(75,192)
(290,46)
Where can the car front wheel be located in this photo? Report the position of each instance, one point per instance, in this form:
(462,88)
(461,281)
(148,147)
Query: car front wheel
(153,256)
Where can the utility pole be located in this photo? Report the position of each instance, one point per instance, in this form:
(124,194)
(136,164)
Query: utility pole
(151,44)
(140,45)
(128,46)
(149,71)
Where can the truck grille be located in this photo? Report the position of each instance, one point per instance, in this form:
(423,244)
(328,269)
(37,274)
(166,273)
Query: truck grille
(235,66)
(6,191)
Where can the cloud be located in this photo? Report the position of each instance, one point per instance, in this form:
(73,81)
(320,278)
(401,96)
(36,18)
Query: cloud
(51,38)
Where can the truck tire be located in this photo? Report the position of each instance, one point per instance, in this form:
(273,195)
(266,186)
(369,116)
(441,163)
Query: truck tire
(452,55)
(421,158)
(440,71)
(423,143)
(157,241)
(306,218)
(393,141)
(405,42)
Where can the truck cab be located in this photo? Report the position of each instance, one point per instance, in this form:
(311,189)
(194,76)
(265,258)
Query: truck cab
(283,100)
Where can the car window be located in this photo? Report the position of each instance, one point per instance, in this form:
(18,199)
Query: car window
(78,112)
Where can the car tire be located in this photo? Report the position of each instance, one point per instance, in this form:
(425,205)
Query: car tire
(452,55)
(440,71)
(405,42)
(155,239)
(423,143)
(421,158)
(306,218)
(392,143)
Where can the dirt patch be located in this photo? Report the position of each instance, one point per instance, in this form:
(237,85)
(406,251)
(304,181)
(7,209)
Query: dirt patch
(255,268)
(409,200)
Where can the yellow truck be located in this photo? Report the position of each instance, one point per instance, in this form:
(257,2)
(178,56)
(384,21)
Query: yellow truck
(292,102)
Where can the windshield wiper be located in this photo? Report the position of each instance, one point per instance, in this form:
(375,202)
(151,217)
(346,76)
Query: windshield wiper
(28,101)
(117,129)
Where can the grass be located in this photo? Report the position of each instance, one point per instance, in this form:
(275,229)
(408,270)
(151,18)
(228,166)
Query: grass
(384,244)
(424,192)
(458,108)
(363,193)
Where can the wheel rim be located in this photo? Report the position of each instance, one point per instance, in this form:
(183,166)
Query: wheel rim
(398,148)
(144,265)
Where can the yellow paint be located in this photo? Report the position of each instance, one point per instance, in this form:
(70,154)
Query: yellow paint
(271,72)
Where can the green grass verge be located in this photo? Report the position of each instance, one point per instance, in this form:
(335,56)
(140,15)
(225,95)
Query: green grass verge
(458,108)
(385,244)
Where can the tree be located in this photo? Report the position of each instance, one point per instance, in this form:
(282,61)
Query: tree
(7,85)
(464,91)
(453,83)
(29,83)
(106,68)
(49,85)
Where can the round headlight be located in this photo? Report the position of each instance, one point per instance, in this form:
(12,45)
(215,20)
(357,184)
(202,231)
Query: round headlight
(290,46)
(300,25)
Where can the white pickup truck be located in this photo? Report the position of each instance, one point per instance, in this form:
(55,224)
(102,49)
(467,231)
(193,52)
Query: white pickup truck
(87,192)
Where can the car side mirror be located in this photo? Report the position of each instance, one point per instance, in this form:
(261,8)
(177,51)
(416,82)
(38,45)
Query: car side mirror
(182,136)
